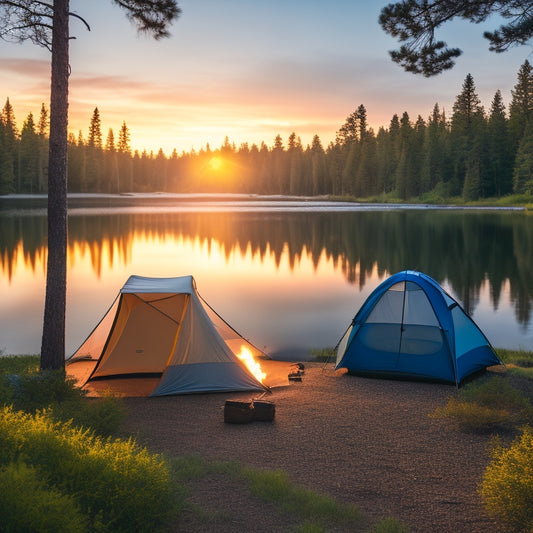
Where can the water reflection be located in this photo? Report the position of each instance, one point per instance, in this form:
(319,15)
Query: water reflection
(471,253)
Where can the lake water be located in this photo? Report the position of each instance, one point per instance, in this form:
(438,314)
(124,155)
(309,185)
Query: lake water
(288,274)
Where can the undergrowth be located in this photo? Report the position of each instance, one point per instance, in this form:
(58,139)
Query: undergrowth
(61,470)
(502,404)
(314,512)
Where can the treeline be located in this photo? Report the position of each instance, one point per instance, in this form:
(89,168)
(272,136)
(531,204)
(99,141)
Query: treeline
(473,153)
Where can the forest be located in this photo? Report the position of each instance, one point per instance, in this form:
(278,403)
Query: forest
(472,154)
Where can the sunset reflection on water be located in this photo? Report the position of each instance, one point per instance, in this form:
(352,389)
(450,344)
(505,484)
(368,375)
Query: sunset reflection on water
(261,293)
(287,281)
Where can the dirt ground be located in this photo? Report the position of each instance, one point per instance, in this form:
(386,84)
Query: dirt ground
(368,442)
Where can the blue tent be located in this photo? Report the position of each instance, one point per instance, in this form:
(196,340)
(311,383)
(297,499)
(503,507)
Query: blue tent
(409,327)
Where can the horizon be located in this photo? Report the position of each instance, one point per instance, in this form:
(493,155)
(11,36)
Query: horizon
(248,73)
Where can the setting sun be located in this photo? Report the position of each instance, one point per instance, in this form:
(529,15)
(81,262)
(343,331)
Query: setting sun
(215,163)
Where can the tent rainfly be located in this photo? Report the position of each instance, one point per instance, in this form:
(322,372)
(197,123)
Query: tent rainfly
(409,327)
(160,327)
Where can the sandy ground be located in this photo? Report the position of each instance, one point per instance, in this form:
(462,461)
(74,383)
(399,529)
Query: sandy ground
(368,442)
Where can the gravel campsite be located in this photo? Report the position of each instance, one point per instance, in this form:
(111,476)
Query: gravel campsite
(368,442)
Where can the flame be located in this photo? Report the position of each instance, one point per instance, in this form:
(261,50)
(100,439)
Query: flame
(253,366)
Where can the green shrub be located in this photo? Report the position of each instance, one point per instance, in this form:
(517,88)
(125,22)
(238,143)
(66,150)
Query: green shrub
(28,389)
(516,357)
(275,486)
(28,504)
(389,525)
(114,482)
(507,486)
(495,391)
(324,354)
(488,405)
(102,415)
(35,390)
(472,415)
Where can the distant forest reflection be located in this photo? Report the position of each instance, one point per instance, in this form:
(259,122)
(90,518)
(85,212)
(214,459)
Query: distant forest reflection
(465,249)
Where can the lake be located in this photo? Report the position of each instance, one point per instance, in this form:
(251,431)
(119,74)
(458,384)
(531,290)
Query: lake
(288,274)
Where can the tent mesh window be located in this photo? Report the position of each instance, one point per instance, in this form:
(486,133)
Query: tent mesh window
(405,316)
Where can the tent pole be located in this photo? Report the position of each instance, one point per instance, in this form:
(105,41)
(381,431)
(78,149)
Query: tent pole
(403,315)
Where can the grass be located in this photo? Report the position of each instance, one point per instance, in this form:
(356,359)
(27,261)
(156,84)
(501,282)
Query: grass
(440,196)
(495,402)
(63,470)
(324,354)
(302,510)
(502,403)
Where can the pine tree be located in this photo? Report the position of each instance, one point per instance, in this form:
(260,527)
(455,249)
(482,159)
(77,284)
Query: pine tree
(404,170)
(95,163)
(8,157)
(367,169)
(125,163)
(523,169)
(349,131)
(318,167)
(280,167)
(95,131)
(28,162)
(111,173)
(521,108)
(433,169)
(467,124)
(388,153)
(7,178)
(123,146)
(296,173)
(42,132)
(500,164)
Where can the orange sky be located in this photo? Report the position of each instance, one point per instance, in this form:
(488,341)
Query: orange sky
(248,70)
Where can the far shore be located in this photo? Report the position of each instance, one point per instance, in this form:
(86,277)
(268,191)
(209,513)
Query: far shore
(249,200)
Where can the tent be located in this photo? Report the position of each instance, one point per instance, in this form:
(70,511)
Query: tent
(161,329)
(409,327)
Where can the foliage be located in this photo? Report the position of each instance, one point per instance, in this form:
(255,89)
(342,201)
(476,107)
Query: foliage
(116,484)
(414,22)
(26,388)
(470,156)
(488,405)
(517,357)
(389,525)
(28,503)
(507,486)
(473,416)
(323,354)
(314,512)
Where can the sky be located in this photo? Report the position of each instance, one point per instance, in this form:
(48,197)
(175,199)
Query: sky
(248,70)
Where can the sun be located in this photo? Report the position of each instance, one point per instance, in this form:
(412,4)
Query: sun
(215,163)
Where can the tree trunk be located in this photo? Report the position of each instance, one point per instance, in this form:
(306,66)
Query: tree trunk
(53,339)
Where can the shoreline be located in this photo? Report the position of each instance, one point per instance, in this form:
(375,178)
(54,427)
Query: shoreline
(251,201)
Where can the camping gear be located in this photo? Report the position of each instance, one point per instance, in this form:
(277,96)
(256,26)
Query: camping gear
(161,329)
(264,410)
(410,327)
(238,412)
(242,412)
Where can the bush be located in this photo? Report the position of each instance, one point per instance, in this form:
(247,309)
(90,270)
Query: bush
(507,486)
(495,391)
(474,408)
(116,483)
(389,525)
(28,389)
(28,504)
(473,416)
(34,390)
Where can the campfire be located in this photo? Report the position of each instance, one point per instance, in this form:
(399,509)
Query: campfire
(253,366)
